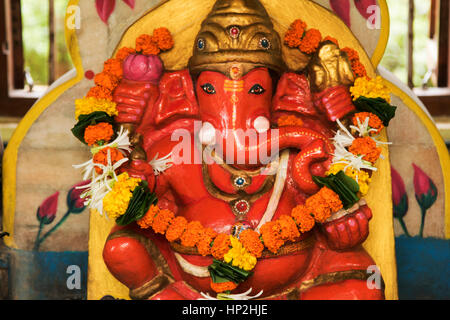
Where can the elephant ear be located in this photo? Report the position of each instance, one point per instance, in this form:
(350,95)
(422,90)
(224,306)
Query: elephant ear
(177,97)
(294,95)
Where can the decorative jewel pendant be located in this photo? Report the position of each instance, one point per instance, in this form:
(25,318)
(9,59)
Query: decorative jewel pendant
(240,208)
(241,182)
(234,32)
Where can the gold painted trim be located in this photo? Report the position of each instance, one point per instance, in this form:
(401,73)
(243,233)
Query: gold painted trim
(384,34)
(10,155)
(151,288)
(335,277)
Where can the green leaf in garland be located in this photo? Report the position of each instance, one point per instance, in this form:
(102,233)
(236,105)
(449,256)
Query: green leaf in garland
(344,186)
(140,202)
(86,120)
(223,272)
(377,106)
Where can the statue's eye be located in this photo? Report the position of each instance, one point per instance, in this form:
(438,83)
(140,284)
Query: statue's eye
(208,88)
(257,89)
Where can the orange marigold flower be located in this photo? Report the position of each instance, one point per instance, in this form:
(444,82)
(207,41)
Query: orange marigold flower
(221,246)
(192,234)
(318,208)
(358,69)
(113,67)
(374,121)
(146,45)
(294,35)
(163,39)
(302,216)
(331,198)
(204,245)
(106,80)
(123,53)
(251,241)
(101,157)
(288,228)
(352,54)
(328,38)
(162,221)
(223,287)
(147,220)
(367,147)
(176,229)
(311,41)
(271,236)
(100,132)
(285,121)
(100,93)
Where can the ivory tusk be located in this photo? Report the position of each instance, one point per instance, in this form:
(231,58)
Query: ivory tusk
(189,268)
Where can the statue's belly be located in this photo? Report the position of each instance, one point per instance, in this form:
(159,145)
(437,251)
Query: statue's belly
(272,275)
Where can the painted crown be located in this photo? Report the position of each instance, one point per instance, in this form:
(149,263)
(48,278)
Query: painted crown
(236,37)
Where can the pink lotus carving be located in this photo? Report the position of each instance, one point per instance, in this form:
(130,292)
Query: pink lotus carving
(139,67)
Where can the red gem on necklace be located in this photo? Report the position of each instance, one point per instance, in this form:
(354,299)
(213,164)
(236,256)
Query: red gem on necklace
(234,32)
(242,207)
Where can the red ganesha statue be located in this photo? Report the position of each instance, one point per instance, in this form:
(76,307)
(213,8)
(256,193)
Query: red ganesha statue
(239,150)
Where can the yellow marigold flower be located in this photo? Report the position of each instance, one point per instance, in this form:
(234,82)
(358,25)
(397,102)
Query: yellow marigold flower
(239,257)
(361,177)
(91,104)
(370,88)
(115,203)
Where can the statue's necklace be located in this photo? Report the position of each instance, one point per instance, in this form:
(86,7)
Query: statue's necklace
(240,202)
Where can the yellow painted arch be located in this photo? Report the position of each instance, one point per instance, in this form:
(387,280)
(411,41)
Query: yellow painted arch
(10,155)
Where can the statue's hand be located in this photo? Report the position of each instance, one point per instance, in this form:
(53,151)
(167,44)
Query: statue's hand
(132,98)
(348,231)
(330,74)
(335,102)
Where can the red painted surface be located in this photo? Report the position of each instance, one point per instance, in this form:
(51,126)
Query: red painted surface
(232,105)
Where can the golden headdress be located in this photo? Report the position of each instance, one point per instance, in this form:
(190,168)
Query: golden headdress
(236,37)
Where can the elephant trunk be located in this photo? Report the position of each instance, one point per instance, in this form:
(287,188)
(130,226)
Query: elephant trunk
(314,156)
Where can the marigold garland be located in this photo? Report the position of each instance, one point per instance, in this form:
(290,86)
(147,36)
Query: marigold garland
(374,121)
(365,146)
(100,93)
(116,201)
(270,233)
(176,229)
(162,221)
(223,287)
(123,53)
(100,132)
(293,37)
(370,88)
(251,241)
(303,218)
(310,41)
(220,246)
(101,157)
(239,257)
(89,105)
(192,235)
(204,245)
(114,68)
(146,221)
